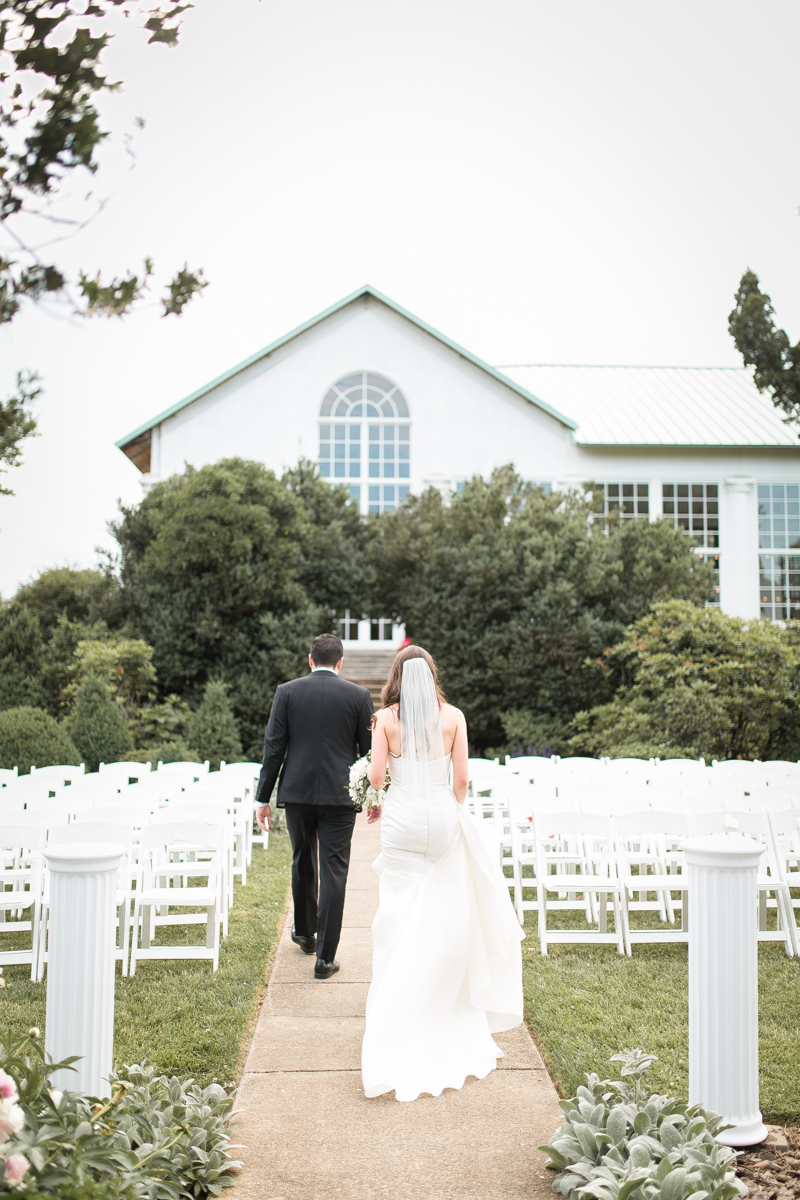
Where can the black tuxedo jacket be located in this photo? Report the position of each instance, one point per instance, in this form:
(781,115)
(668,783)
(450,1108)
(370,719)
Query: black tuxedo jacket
(320,725)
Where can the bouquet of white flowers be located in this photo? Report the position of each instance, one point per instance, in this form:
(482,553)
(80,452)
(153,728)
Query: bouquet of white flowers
(361,790)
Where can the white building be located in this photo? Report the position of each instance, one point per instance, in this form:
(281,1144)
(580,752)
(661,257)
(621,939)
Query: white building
(388,405)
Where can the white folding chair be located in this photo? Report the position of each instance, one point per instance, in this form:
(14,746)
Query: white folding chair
(209,813)
(769,880)
(61,776)
(214,786)
(648,841)
(575,853)
(164,850)
(523,801)
(695,767)
(21,849)
(107,833)
(247,774)
(126,772)
(194,770)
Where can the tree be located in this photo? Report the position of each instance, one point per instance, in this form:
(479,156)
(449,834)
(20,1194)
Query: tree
(765,347)
(16,423)
(229,573)
(693,682)
(512,591)
(212,730)
(97,726)
(84,596)
(52,78)
(124,664)
(20,657)
(31,737)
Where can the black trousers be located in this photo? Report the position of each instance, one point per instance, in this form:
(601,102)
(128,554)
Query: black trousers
(319,877)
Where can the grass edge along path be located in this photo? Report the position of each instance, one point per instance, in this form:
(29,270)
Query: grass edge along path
(584,1003)
(177,1014)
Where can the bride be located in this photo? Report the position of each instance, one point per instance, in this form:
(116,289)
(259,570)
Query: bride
(446,966)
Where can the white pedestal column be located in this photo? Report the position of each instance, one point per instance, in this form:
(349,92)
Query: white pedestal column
(723,982)
(81,963)
(738,562)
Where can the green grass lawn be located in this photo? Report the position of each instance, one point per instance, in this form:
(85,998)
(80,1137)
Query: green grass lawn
(178,1015)
(584,1003)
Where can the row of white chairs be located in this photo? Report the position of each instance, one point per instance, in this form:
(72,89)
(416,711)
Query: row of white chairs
(550,851)
(537,769)
(155,878)
(214,807)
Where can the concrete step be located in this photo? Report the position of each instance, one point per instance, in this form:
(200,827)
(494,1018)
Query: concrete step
(369,669)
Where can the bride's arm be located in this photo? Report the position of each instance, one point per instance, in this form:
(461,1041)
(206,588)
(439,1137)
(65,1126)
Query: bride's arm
(459,760)
(380,753)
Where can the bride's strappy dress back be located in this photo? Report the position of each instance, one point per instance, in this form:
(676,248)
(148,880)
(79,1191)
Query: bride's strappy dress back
(447,967)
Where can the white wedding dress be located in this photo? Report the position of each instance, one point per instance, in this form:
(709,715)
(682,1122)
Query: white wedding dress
(447,965)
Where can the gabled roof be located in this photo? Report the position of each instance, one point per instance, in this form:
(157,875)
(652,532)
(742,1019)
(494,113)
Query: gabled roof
(366,290)
(660,406)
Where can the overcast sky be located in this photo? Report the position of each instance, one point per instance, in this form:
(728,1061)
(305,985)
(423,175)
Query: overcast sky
(562,182)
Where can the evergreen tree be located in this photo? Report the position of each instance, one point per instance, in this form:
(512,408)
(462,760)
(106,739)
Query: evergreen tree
(764,347)
(98,727)
(213,730)
(20,657)
(31,737)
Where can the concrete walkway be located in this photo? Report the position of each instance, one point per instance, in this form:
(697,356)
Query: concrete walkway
(311,1134)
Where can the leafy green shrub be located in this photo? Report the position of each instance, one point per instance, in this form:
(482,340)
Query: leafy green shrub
(621,1143)
(155,1139)
(694,682)
(98,727)
(31,737)
(213,730)
(515,593)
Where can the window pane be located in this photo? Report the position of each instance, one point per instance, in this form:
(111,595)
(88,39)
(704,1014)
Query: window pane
(355,433)
(374,493)
(403,433)
(355,470)
(388,433)
(355,492)
(324,449)
(374,470)
(403,471)
(324,433)
(340,432)
(402,494)
(338,469)
(388,493)
(374,433)
(341,408)
(388,470)
(374,450)
(325,470)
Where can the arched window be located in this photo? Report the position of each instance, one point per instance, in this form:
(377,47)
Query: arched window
(364,440)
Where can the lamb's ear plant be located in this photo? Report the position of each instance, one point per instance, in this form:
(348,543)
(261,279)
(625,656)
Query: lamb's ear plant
(156,1138)
(620,1142)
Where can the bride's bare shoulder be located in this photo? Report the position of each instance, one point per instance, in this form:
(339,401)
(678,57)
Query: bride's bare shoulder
(386,716)
(451,713)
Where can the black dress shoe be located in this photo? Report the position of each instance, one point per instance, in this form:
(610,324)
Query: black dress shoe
(324,970)
(307,944)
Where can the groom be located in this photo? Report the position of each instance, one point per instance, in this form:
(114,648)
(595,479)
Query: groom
(319,724)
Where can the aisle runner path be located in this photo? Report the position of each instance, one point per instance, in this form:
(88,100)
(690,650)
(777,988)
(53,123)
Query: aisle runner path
(310,1132)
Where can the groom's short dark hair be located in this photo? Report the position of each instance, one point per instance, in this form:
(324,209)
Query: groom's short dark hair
(326,650)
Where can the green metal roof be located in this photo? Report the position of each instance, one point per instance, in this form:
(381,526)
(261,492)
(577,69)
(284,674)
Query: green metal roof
(366,290)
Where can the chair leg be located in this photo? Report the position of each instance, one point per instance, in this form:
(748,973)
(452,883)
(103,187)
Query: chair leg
(542,905)
(137,913)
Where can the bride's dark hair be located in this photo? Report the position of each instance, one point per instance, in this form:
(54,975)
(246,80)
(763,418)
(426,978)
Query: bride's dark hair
(391,689)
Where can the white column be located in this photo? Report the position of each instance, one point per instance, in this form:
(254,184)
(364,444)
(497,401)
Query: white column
(81,963)
(738,561)
(656,497)
(723,982)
